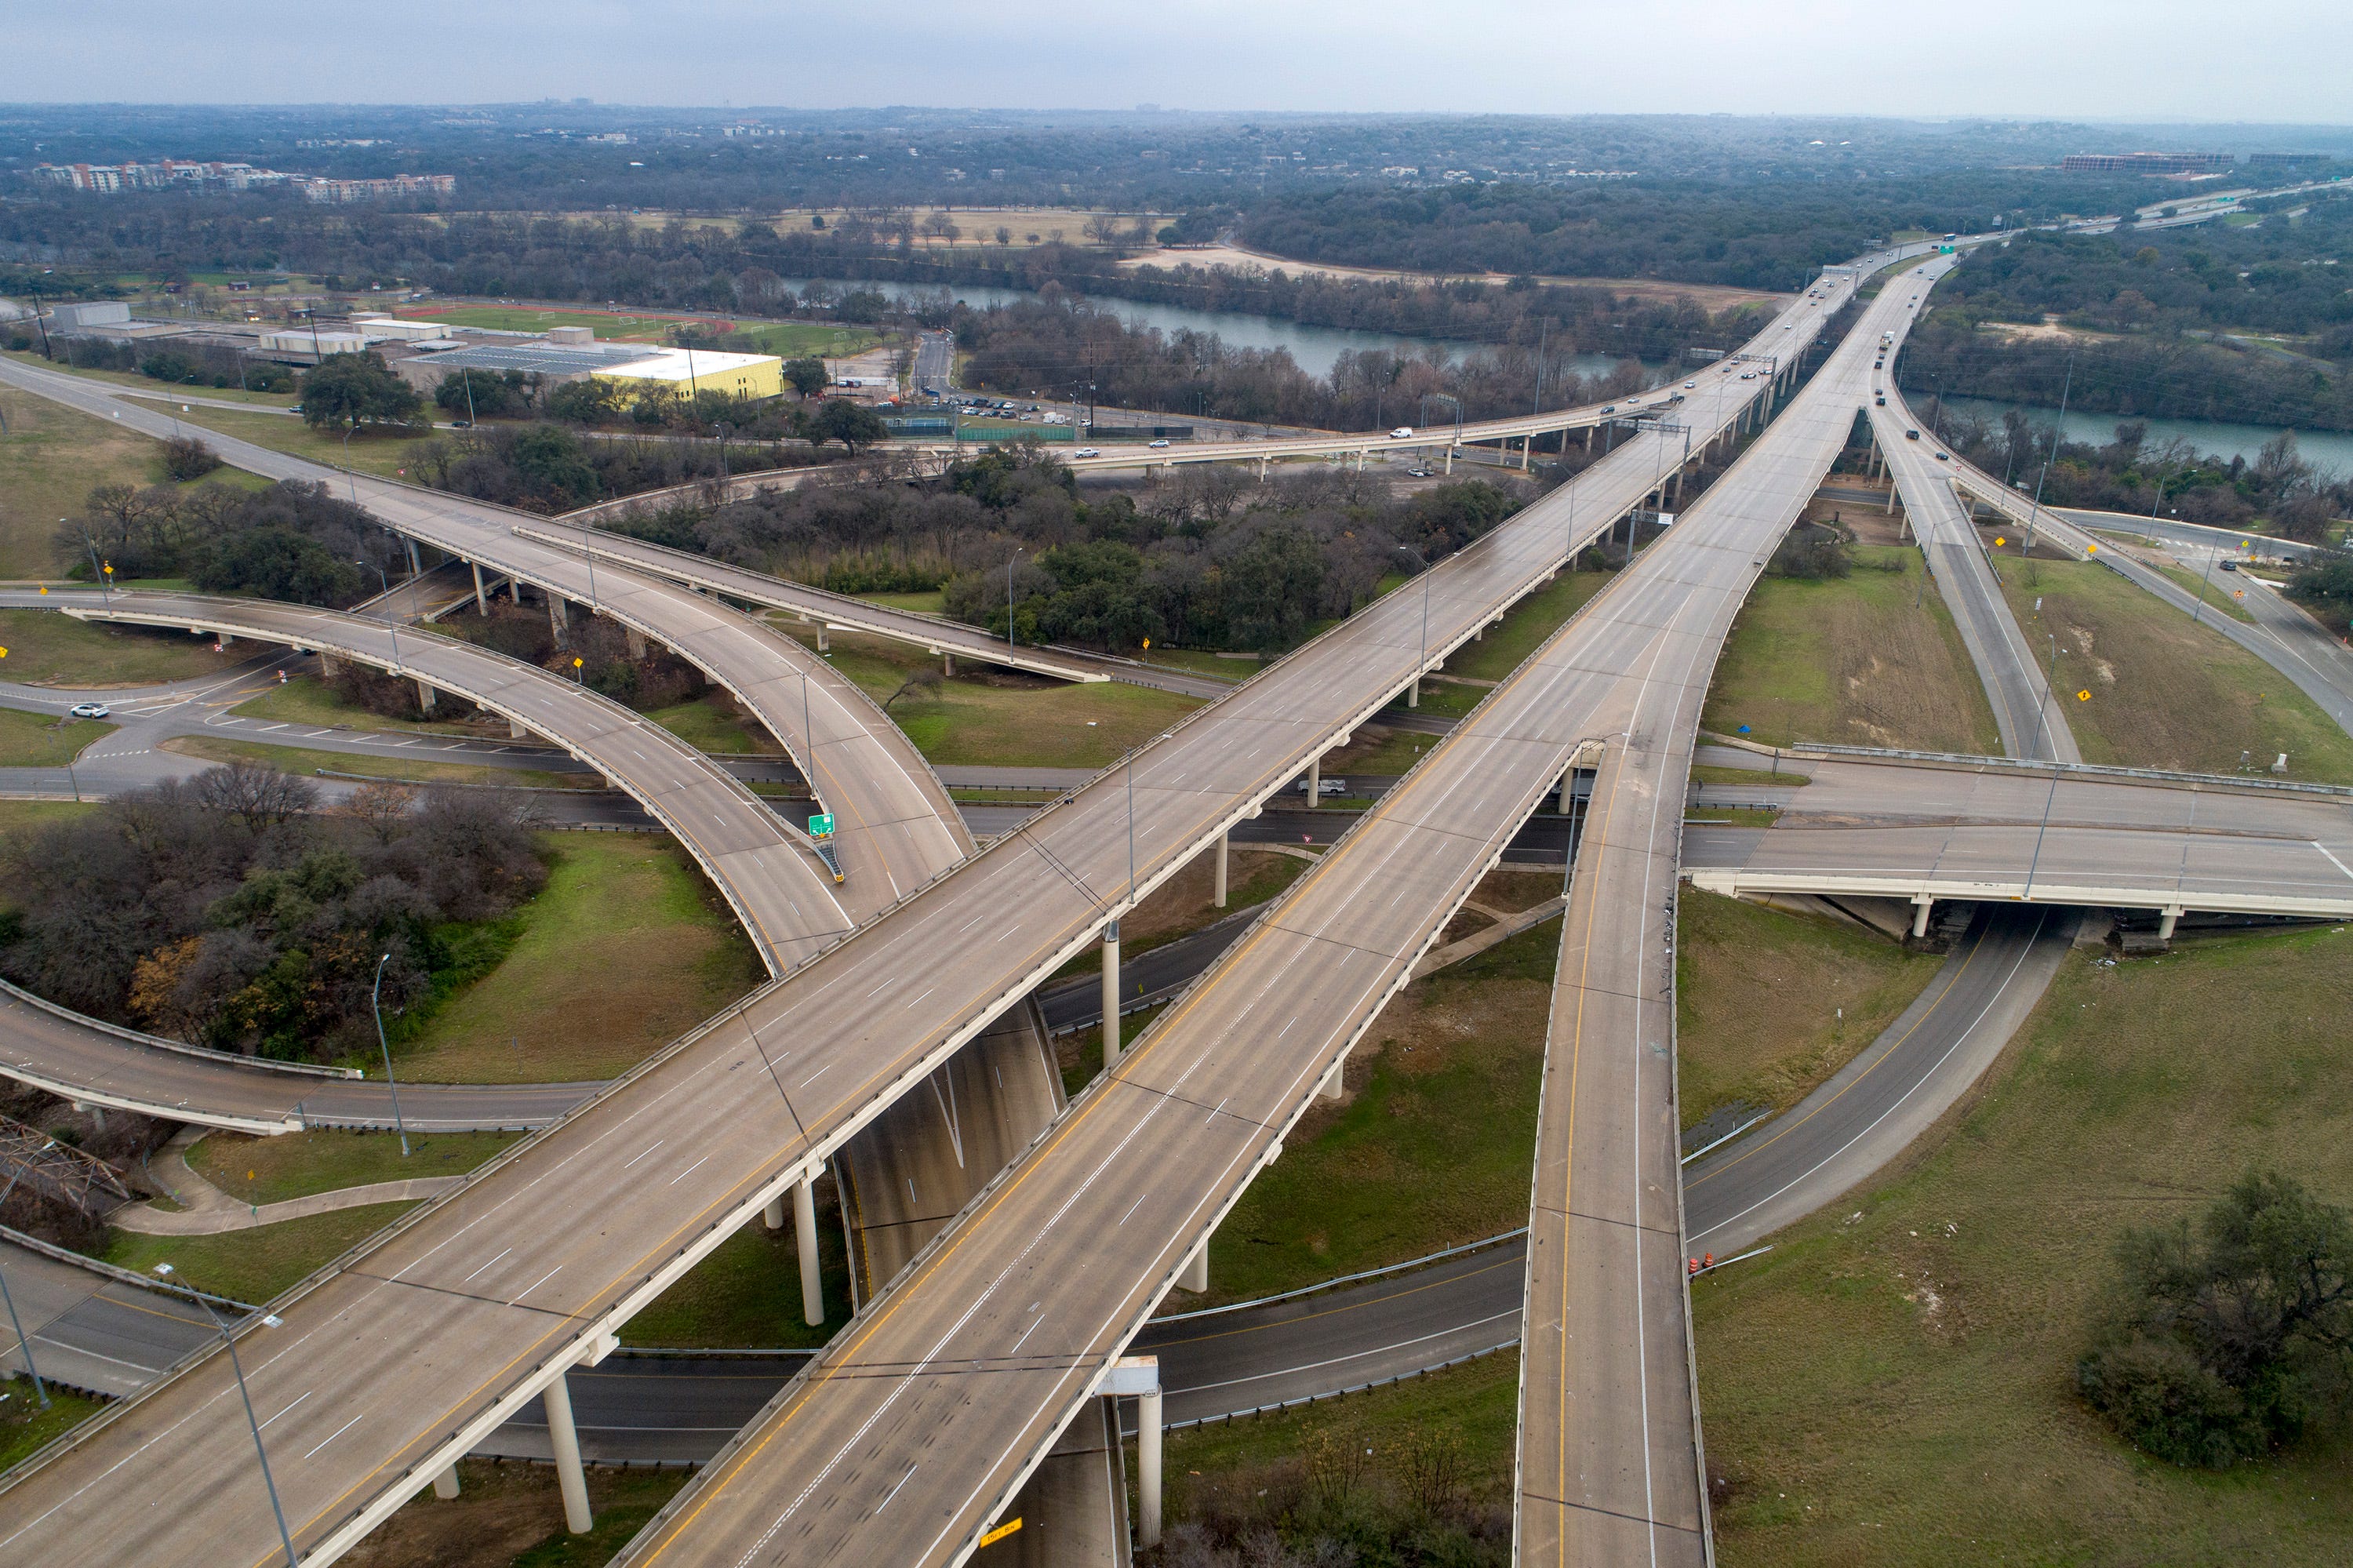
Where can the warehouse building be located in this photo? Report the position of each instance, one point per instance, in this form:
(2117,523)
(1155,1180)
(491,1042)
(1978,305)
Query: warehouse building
(685,372)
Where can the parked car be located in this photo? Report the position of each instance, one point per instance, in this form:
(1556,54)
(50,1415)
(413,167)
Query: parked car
(1420,471)
(1401,433)
(91,710)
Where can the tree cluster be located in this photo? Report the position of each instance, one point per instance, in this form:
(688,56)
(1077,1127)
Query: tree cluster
(228,910)
(551,468)
(352,390)
(295,542)
(2216,1348)
(2279,489)
(1200,558)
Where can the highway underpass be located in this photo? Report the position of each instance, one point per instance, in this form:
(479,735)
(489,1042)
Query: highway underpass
(857,1027)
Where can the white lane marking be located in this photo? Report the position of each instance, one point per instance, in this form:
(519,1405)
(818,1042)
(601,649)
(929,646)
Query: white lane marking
(657,1143)
(689,1171)
(265,1425)
(534,1285)
(2332,859)
(1133,1207)
(486,1266)
(339,1431)
(894,1490)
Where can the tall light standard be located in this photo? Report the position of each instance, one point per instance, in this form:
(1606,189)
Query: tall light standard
(391,620)
(349,477)
(1009,598)
(285,1538)
(375,1001)
(2058,434)
(14,1322)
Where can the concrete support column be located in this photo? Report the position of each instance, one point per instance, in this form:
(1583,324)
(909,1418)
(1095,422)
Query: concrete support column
(634,640)
(2165,923)
(805,1233)
(1195,1275)
(1315,779)
(1920,908)
(947,665)
(445,1485)
(482,598)
(326,665)
(772,1216)
(1891,500)
(1568,792)
(556,620)
(1527,446)
(1449,457)
(564,1439)
(1217,897)
(416,567)
(425,695)
(224,639)
(1148,1408)
(515,730)
(1413,693)
(1111,995)
(1332,1086)
(823,646)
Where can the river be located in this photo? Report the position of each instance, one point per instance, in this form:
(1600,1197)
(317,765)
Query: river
(1315,348)
(2329,451)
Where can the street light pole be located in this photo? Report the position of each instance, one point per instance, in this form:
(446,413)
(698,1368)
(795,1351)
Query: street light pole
(14,1322)
(391,621)
(375,1002)
(2058,434)
(1009,598)
(285,1537)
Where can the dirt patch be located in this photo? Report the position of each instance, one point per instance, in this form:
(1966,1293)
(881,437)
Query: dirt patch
(1505,888)
(503,1511)
(1182,904)
(1713,296)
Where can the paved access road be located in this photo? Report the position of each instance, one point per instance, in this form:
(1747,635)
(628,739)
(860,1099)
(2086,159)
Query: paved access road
(99,1334)
(427,1340)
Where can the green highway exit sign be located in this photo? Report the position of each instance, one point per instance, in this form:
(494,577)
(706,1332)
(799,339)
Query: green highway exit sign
(822,827)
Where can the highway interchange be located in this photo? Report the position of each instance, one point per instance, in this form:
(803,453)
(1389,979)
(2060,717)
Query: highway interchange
(1626,677)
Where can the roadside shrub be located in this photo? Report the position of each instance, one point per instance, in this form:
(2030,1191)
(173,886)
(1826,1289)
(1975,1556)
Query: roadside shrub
(186,458)
(1813,552)
(2214,1351)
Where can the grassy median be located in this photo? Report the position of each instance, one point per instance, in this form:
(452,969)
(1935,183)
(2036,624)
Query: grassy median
(1862,659)
(1895,1381)
(2164,692)
(258,1264)
(47,648)
(297,1164)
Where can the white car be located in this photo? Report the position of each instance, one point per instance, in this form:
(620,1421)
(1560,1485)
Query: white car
(1157,445)
(91,710)
(1689,384)
(1403,432)
(1086,451)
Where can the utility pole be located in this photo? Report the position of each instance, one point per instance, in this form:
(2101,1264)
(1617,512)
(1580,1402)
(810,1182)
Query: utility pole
(2058,434)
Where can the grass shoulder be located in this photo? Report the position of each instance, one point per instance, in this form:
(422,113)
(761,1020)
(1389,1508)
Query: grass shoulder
(1897,1376)
(1869,659)
(49,649)
(1525,627)
(253,1264)
(37,740)
(1769,1003)
(627,908)
(26,1428)
(402,766)
(2165,692)
(295,1165)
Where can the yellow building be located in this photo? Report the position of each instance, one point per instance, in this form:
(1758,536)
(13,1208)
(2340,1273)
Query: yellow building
(687,372)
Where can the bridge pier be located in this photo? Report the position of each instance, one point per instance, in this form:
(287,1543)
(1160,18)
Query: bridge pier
(564,1438)
(1331,1088)
(1110,996)
(558,621)
(2165,921)
(1217,897)
(1140,1376)
(1315,779)
(445,1485)
(1413,693)
(326,665)
(1920,908)
(805,1236)
(635,641)
(481,597)
(515,730)
(947,664)
(416,567)
(425,695)
(1195,1275)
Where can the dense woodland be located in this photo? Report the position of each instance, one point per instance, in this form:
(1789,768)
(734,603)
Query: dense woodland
(1203,558)
(228,910)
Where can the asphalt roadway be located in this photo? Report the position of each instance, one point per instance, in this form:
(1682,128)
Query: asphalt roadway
(942,1397)
(2032,722)
(423,1342)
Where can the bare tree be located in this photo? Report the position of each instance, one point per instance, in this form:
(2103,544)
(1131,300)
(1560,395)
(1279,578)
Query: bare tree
(255,793)
(919,684)
(382,806)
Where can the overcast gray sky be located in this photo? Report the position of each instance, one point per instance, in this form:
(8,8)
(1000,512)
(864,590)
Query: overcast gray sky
(2154,60)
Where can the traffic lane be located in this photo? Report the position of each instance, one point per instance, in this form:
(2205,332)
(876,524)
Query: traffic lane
(89,1332)
(1227,1363)
(73,1059)
(1880,1102)
(2068,861)
(638,1410)
(444,1107)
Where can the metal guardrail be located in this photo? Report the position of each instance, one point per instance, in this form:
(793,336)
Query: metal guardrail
(157,1042)
(120,1276)
(2094,770)
(1304,1400)
(1382,1272)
